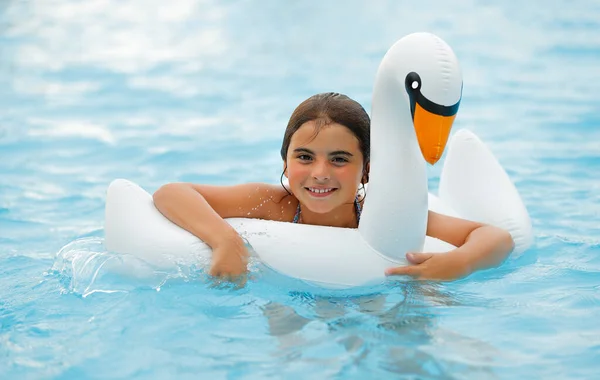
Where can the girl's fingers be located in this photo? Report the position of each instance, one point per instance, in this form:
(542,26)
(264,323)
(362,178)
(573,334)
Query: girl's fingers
(403,271)
(418,257)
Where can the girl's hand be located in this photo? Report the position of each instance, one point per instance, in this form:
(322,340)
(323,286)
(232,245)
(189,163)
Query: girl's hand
(433,266)
(230,260)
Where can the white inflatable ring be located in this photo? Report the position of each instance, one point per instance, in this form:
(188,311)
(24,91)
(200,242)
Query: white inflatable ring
(473,186)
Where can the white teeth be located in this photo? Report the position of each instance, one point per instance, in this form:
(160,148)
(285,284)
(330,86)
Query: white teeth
(320,191)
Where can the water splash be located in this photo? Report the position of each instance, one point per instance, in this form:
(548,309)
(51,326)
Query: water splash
(86,267)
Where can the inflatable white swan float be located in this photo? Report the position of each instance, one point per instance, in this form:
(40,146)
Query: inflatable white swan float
(416,95)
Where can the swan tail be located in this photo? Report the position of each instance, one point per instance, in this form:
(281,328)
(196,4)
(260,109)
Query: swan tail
(474,184)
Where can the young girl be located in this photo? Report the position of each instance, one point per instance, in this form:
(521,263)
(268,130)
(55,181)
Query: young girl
(325,154)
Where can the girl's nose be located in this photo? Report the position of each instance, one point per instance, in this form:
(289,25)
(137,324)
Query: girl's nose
(321,171)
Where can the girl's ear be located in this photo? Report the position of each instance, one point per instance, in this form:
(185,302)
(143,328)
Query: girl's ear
(285,173)
(365,178)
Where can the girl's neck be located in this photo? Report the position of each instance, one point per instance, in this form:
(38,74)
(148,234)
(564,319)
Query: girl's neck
(343,216)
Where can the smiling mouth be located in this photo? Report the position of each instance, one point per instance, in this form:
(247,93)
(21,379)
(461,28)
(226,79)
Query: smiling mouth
(320,192)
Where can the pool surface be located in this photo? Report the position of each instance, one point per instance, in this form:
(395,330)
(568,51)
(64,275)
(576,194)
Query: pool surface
(201,91)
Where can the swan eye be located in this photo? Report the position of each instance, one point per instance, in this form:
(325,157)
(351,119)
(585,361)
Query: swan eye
(412,82)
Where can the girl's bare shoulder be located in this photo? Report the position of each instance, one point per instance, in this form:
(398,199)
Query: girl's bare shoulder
(278,204)
(250,200)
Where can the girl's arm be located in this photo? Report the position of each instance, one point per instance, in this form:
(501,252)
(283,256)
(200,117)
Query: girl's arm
(201,209)
(479,246)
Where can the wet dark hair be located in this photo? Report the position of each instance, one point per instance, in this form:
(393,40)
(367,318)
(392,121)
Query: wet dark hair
(328,108)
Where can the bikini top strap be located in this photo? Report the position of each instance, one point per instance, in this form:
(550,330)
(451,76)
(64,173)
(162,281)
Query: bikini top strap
(297,215)
(358,209)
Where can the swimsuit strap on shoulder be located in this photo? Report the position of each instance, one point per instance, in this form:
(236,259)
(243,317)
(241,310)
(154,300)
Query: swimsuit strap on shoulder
(297,215)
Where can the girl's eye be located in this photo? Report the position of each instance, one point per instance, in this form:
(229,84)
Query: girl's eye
(304,157)
(340,160)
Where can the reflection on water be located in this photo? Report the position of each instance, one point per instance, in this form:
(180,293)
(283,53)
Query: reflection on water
(397,328)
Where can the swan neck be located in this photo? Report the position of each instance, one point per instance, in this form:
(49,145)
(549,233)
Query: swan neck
(395,210)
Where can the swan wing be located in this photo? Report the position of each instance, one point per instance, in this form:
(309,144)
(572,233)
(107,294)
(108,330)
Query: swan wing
(474,184)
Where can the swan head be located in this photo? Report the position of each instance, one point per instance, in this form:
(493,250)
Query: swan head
(432,79)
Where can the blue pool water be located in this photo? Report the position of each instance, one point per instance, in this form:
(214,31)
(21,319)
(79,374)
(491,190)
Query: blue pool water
(201,91)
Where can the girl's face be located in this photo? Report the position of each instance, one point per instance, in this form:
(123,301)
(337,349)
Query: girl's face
(324,171)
